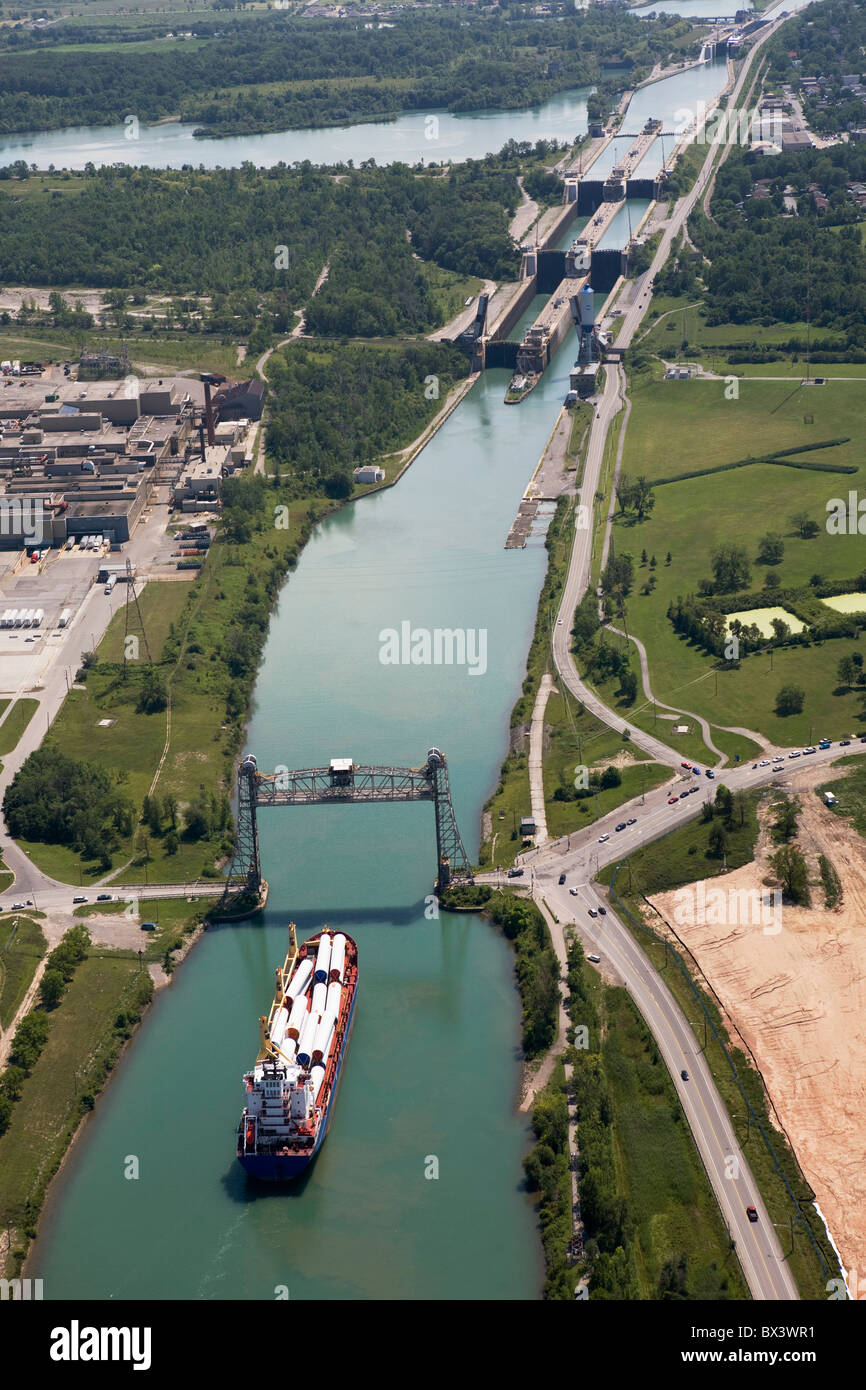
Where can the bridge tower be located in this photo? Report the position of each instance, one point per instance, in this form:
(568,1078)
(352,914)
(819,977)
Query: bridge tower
(245,870)
(452,863)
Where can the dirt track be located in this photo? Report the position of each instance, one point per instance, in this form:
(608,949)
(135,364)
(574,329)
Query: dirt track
(797,996)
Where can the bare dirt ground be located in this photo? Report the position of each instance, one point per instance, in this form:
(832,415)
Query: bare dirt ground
(797,996)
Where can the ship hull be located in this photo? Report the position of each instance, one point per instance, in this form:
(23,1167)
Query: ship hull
(287,1167)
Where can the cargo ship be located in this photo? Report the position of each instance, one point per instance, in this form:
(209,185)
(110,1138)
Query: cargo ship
(291,1090)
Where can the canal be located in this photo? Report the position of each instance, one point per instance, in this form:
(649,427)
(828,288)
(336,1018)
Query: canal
(433,1068)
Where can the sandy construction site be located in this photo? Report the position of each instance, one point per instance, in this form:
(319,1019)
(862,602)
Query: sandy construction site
(794,986)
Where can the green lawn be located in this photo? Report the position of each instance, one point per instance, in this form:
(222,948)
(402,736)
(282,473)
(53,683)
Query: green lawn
(161,606)
(199,352)
(693,516)
(72,1064)
(15,723)
(850,793)
(203,739)
(659,1170)
(21,949)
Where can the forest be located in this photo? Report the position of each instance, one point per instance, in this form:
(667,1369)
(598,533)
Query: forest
(254,241)
(285,71)
(334,406)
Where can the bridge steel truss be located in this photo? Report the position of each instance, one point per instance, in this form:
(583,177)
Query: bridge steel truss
(341,784)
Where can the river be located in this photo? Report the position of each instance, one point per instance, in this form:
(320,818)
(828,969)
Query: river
(434,1062)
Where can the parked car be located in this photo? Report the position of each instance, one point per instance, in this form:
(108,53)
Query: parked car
(621,825)
(594,958)
(672,800)
(148,926)
(602,838)
(632,820)
(562,878)
(515,873)
(573,892)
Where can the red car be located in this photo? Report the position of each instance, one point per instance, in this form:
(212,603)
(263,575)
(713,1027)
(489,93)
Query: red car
(672,800)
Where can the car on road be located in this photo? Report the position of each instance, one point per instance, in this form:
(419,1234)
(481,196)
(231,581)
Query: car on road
(602,911)
(515,873)
(684,1074)
(16,907)
(765,762)
(592,912)
(844,742)
(685,793)
(810,750)
(602,838)
(594,958)
(80,898)
(573,892)
(103,897)
(672,800)
(562,878)
(793,755)
(621,825)
(693,789)
(559,622)
(632,820)
(752,1214)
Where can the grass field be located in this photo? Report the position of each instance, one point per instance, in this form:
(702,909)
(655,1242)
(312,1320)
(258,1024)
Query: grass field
(666,421)
(199,353)
(851,793)
(15,723)
(21,949)
(202,739)
(660,1172)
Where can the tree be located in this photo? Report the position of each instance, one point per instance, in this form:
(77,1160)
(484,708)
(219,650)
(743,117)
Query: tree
(628,685)
(771,548)
(718,840)
(790,868)
(51,988)
(154,694)
(847,671)
(803,524)
(730,567)
(790,700)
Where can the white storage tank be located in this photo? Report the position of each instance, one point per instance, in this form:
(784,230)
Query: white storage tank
(288,1048)
(338,957)
(335,996)
(38,616)
(297,1017)
(64,617)
(323,1039)
(320,996)
(299,981)
(323,957)
(279,1025)
(305,1041)
(317,1076)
